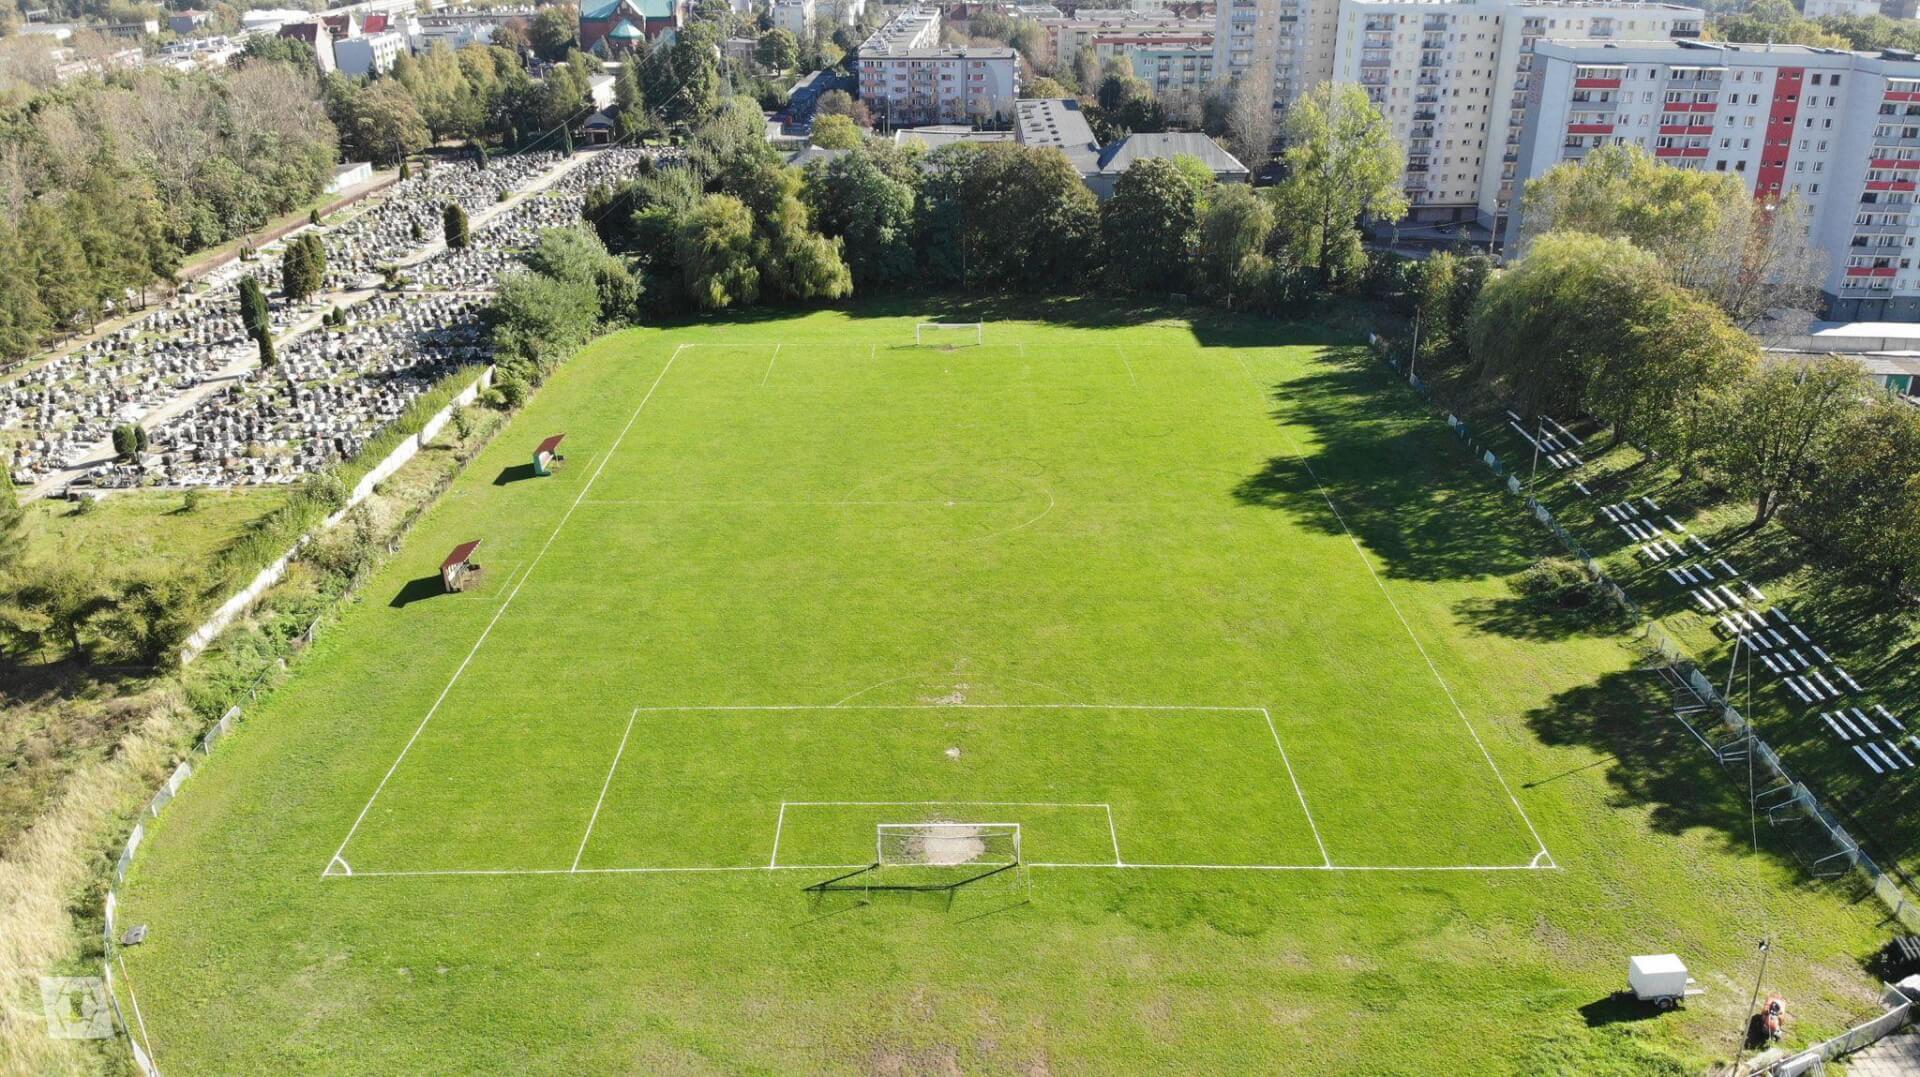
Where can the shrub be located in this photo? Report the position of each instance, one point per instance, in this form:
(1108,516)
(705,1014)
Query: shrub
(1556,581)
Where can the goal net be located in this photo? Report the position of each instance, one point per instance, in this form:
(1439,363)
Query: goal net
(950,334)
(947,845)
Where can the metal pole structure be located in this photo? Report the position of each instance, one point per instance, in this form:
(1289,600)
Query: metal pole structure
(1741,1049)
(1414,357)
(1535,469)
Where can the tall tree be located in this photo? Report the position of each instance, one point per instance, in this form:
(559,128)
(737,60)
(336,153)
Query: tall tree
(777,49)
(1865,505)
(552,32)
(13,526)
(1745,255)
(23,319)
(254,315)
(1049,243)
(1233,239)
(1776,424)
(795,261)
(453,224)
(1149,227)
(1343,164)
(870,211)
(715,251)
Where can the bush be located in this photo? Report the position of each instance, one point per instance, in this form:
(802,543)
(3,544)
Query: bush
(191,502)
(1556,581)
(325,489)
(509,393)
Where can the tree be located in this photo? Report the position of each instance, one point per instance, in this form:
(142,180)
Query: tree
(1434,284)
(1865,505)
(269,357)
(453,223)
(795,262)
(1657,379)
(1541,326)
(552,32)
(537,319)
(835,133)
(576,255)
(304,267)
(842,103)
(630,99)
(714,245)
(1044,87)
(57,604)
(1248,120)
(126,440)
(253,308)
(23,319)
(871,212)
(151,616)
(777,49)
(1150,227)
(1049,241)
(1342,164)
(1233,239)
(731,146)
(1776,424)
(1745,255)
(1127,103)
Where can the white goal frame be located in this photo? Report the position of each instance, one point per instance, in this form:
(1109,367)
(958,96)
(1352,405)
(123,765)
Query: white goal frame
(978,328)
(881,831)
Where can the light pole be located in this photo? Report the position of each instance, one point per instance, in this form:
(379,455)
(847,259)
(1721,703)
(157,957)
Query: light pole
(1747,1021)
(1535,469)
(1414,357)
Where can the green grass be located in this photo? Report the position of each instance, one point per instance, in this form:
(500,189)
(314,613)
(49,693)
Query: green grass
(145,531)
(1086,564)
(1863,625)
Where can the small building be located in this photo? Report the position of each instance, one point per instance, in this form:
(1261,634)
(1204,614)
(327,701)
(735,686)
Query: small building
(612,25)
(186,22)
(599,128)
(547,454)
(369,54)
(351,174)
(795,17)
(460,571)
(1117,157)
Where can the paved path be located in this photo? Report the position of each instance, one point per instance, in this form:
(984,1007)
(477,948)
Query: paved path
(102,452)
(1896,1056)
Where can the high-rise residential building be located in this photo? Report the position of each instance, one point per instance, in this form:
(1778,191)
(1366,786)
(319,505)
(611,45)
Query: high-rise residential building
(1452,81)
(1838,130)
(907,78)
(1283,44)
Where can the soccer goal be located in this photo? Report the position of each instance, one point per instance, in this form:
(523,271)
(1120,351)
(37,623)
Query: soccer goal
(938,857)
(949,334)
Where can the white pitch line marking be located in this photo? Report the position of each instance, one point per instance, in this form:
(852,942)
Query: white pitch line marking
(770,361)
(127,978)
(711,869)
(779,825)
(1308,812)
(511,595)
(1123,358)
(1395,607)
(1118,860)
(956,707)
(604,786)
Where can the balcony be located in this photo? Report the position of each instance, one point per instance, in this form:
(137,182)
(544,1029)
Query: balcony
(1421,130)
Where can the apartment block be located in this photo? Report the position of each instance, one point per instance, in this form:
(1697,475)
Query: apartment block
(1452,81)
(1839,130)
(1173,67)
(1287,45)
(1100,29)
(907,79)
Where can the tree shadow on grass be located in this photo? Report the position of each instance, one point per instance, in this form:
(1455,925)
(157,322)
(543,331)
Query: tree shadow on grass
(1661,768)
(1518,617)
(1396,477)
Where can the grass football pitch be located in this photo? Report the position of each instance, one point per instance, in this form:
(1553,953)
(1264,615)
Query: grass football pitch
(1210,612)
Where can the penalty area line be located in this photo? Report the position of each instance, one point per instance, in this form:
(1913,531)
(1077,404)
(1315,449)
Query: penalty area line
(604,786)
(501,612)
(1327,861)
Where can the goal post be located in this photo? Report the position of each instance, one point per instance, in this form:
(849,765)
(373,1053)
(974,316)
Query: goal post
(946,845)
(950,334)
(937,857)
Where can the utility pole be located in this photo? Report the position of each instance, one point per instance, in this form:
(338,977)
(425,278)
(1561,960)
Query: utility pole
(1414,358)
(1535,469)
(1746,1023)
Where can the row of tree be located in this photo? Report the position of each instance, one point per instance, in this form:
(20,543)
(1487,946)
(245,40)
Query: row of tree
(1630,303)
(104,184)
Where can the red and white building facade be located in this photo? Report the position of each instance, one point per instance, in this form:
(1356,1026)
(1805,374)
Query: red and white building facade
(1838,130)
